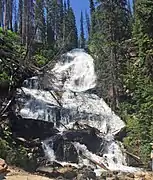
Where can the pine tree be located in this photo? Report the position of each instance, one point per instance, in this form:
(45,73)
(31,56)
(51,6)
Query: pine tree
(40,21)
(1,13)
(70,36)
(20,16)
(111,29)
(24,22)
(143,29)
(82,38)
(59,22)
(92,15)
(6,15)
(10,14)
(64,23)
(15,18)
(50,24)
(87,22)
(68,4)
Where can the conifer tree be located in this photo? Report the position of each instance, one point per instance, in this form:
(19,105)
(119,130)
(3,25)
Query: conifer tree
(1,13)
(70,35)
(40,20)
(50,23)
(112,28)
(20,16)
(82,38)
(15,17)
(143,28)
(10,14)
(87,22)
(92,15)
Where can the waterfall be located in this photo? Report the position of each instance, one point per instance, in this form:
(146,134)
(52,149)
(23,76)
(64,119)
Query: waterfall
(70,81)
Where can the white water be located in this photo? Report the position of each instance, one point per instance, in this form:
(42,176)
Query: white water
(73,75)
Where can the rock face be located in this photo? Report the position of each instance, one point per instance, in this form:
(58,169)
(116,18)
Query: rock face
(87,137)
(30,128)
(63,144)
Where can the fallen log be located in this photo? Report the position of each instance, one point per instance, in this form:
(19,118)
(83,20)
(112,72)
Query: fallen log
(132,155)
(6,106)
(56,99)
(96,163)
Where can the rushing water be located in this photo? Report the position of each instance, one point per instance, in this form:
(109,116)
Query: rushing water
(70,81)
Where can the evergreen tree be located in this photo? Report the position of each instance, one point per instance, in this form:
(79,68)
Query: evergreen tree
(64,23)
(40,20)
(20,16)
(24,22)
(92,15)
(70,37)
(82,38)
(59,21)
(6,14)
(1,13)
(112,28)
(143,32)
(10,14)
(15,18)
(68,4)
(50,23)
(87,22)
(55,22)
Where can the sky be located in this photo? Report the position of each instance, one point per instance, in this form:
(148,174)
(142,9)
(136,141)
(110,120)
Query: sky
(78,6)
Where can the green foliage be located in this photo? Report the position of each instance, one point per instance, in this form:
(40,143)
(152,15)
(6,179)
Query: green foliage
(13,153)
(137,110)
(112,27)
(131,75)
(4,77)
(40,60)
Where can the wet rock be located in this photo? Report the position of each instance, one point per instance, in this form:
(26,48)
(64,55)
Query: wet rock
(64,150)
(121,134)
(31,128)
(86,173)
(70,153)
(86,137)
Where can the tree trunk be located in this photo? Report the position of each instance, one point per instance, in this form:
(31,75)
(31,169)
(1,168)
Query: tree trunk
(24,22)
(20,14)
(5,15)
(1,13)
(10,14)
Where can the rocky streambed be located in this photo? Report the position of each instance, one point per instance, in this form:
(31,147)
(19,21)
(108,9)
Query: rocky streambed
(69,173)
(68,154)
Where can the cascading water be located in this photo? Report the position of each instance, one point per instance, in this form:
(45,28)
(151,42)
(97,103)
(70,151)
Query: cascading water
(71,79)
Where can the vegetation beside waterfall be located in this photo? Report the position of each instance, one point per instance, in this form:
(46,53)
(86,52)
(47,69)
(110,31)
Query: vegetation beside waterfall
(120,38)
(122,45)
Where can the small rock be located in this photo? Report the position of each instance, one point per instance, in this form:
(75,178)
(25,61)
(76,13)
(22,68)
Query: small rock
(131,175)
(3,166)
(86,174)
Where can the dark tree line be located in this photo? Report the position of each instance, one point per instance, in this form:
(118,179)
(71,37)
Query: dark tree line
(51,22)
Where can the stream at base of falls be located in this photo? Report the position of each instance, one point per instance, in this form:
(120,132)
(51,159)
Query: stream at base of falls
(86,125)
